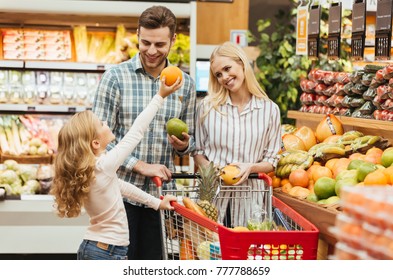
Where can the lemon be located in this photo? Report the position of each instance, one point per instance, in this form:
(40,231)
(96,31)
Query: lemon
(176,127)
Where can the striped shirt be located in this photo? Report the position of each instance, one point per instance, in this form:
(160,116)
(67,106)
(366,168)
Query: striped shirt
(123,92)
(251,136)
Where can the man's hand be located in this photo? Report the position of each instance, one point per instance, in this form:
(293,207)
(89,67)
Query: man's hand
(179,145)
(151,170)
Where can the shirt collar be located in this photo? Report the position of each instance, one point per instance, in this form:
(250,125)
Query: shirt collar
(137,66)
(256,103)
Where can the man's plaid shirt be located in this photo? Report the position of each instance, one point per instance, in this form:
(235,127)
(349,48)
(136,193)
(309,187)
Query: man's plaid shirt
(122,94)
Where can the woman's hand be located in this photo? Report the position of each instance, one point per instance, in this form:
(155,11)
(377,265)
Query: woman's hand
(245,170)
(166,202)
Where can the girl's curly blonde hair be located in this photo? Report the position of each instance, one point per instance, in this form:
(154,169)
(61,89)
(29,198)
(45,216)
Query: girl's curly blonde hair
(74,164)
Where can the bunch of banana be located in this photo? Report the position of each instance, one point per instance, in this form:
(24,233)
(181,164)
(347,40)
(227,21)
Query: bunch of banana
(348,137)
(325,151)
(364,143)
(292,160)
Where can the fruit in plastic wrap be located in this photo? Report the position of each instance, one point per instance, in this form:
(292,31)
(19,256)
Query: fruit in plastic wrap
(307,85)
(356,76)
(370,93)
(329,125)
(320,88)
(367,108)
(367,78)
(359,89)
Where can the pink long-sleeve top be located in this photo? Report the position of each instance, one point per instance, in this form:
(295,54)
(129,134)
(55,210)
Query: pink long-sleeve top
(108,219)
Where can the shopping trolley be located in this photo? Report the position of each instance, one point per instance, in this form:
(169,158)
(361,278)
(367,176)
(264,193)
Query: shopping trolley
(187,235)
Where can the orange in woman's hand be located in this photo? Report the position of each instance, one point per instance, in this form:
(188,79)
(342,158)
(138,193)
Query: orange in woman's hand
(171,74)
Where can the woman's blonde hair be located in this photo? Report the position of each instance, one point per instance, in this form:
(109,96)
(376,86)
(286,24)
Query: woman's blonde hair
(217,94)
(74,164)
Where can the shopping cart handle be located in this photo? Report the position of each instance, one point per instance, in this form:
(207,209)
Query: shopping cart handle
(157,180)
(263,176)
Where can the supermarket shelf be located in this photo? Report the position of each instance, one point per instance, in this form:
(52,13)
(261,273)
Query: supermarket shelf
(31,108)
(358,122)
(366,126)
(16,64)
(74,66)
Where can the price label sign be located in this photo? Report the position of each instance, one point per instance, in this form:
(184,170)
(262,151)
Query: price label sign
(301,30)
(383,32)
(313,31)
(358,29)
(334,36)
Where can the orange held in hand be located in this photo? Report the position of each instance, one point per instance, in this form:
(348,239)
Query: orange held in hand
(171,74)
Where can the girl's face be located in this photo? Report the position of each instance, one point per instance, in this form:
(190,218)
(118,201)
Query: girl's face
(229,73)
(104,133)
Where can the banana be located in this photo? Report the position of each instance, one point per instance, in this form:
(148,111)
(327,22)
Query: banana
(373,140)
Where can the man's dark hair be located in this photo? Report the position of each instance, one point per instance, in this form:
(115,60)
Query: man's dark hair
(158,17)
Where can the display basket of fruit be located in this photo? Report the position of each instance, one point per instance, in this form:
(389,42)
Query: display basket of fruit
(191,231)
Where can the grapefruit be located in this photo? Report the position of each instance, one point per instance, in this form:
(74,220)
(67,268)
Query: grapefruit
(299,177)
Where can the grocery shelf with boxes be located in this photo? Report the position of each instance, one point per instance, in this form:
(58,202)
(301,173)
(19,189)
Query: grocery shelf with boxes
(52,55)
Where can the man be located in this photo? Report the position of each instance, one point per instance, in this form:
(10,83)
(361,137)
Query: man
(124,91)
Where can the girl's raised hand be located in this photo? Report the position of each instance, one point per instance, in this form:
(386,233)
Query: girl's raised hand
(165,90)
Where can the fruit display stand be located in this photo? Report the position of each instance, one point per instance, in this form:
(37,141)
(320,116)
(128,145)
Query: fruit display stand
(324,217)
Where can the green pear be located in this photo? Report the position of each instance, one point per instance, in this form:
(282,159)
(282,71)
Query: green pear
(344,182)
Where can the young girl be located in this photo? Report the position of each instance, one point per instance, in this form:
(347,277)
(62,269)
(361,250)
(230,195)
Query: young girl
(85,176)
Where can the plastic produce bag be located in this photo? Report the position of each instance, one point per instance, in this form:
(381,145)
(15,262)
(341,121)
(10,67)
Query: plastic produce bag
(370,94)
(367,108)
(356,77)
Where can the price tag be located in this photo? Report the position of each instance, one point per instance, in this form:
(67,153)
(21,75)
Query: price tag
(301,30)
(358,29)
(72,109)
(313,31)
(31,108)
(334,36)
(383,32)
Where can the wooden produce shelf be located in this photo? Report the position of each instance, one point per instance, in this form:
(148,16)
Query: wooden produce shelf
(44,159)
(366,126)
(323,218)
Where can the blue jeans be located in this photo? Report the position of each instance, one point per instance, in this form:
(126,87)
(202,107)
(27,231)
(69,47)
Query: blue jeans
(93,250)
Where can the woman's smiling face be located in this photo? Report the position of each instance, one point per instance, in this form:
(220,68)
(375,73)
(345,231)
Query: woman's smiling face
(229,73)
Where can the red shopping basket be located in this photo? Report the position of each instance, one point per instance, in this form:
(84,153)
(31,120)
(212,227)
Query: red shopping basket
(299,243)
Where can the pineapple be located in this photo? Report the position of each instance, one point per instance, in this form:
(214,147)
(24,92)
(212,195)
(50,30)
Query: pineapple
(208,183)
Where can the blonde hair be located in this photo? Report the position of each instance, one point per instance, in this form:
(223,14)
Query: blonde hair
(74,164)
(218,94)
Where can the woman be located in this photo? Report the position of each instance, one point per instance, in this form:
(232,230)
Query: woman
(237,123)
